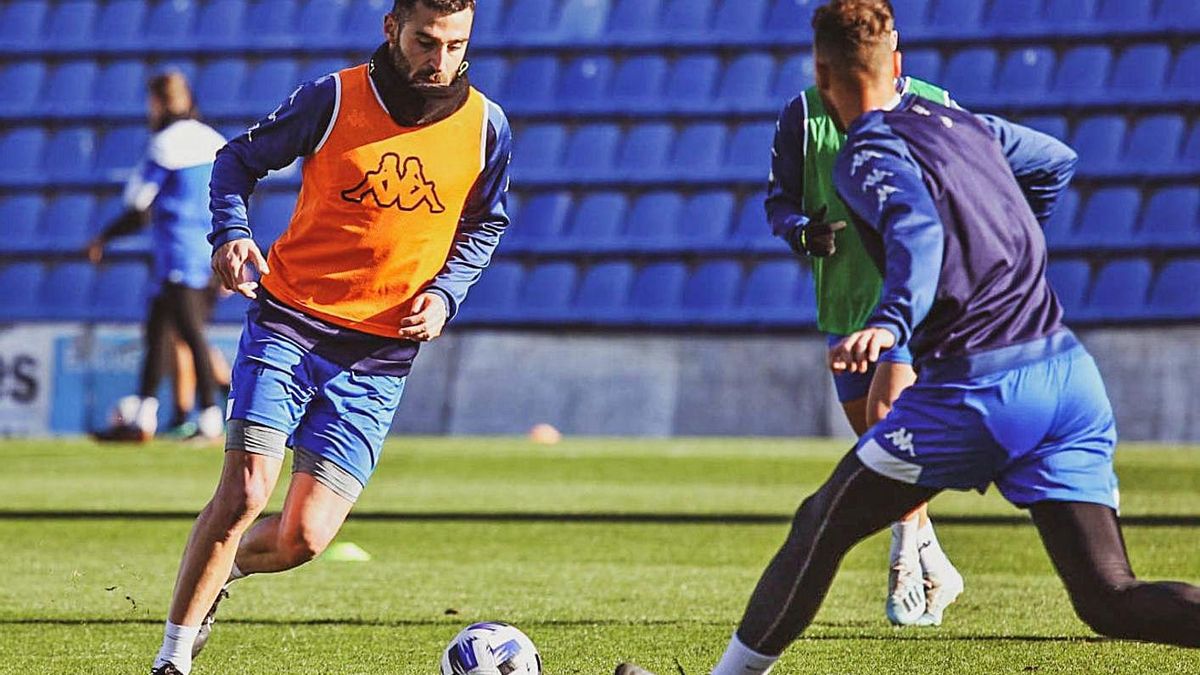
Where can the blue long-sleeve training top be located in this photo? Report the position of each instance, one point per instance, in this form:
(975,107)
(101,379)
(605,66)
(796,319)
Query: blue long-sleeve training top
(949,206)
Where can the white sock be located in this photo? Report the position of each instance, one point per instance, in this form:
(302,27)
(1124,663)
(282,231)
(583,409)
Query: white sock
(905,546)
(211,422)
(147,415)
(933,558)
(741,660)
(177,647)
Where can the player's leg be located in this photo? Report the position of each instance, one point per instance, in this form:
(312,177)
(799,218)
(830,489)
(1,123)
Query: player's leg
(189,313)
(184,378)
(1086,546)
(855,502)
(156,344)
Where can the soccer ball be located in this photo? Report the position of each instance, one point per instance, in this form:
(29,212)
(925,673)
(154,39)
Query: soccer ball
(491,648)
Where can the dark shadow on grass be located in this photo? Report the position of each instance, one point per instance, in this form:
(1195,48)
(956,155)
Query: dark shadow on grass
(551,517)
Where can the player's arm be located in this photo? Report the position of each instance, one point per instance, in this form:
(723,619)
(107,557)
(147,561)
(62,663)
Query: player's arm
(785,186)
(1042,164)
(484,219)
(141,190)
(880,181)
(296,128)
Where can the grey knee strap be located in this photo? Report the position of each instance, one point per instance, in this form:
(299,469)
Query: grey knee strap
(327,473)
(256,439)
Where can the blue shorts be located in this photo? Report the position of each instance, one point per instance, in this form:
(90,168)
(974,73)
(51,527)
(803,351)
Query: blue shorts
(855,386)
(1040,432)
(336,414)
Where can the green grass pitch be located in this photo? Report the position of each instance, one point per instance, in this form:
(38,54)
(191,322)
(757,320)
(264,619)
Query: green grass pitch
(462,530)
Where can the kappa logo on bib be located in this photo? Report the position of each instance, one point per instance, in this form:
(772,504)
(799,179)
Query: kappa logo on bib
(393,184)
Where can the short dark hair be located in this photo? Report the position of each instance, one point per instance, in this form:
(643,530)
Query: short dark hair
(401,8)
(850,32)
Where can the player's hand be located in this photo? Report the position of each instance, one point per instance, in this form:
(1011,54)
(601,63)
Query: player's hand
(817,238)
(857,351)
(95,250)
(231,263)
(426,318)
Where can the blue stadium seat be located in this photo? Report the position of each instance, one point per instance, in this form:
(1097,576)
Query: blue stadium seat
(924,64)
(1123,15)
(68,87)
(529,17)
(1014,17)
(705,220)
(267,84)
(70,155)
(638,81)
(1108,219)
(362,22)
(546,292)
(21,281)
(912,17)
(1171,219)
(591,151)
(20,214)
(541,149)
(1173,294)
(1184,82)
(218,86)
(633,19)
(494,296)
(645,147)
(969,75)
(1025,75)
(530,84)
(69,222)
(487,23)
(685,18)
(21,81)
(692,82)
(1082,74)
(604,292)
(66,292)
(487,74)
(1191,147)
(1119,291)
(170,22)
(21,22)
(108,208)
(770,292)
(1154,144)
(746,82)
(582,19)
(541,223)
(71,23)
(582,85)
(1055,125)
(270,213)
(955,17)
(1069,280)
(794,75)
(1070,15)
(21,155)
(319,20)
(270,21)
(1059,229)
(318,68)
(1140,72)
(712,290)
(119,293)
(738,20)
(120,151)
(185,67)
(1098,141)
(790,19)
(120,22)
(1174,14)
(698,150)
(658,288)
(652,219)
(597,220)
(121,88)
(749,151)
(752,231)
(220,22)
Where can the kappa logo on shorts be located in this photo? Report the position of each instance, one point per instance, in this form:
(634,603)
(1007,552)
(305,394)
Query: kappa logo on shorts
(903,440)
(390,185)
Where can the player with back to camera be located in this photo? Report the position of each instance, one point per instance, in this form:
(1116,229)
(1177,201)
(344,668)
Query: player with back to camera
(401,206)
(169,189)
(1006,393)
(804,210)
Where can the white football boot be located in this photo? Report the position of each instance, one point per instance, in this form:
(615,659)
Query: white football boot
(940,591)
(906,600)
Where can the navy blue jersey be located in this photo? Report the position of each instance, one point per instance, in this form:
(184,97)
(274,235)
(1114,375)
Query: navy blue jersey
(950,207)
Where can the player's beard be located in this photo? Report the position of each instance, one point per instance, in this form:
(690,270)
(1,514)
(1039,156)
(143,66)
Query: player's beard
(420,79)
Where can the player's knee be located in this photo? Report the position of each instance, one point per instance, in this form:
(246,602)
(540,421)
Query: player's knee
(1103,610)
(305,543)
(241,503)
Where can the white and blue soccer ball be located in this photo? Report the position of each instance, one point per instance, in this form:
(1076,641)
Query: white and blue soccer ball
(491,648)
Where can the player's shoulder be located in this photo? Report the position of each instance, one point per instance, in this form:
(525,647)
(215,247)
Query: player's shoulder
(185,143)
(496,117)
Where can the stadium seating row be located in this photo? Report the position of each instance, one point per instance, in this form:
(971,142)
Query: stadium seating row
(190,24)
(776,292)
(654,222)
(753,82)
